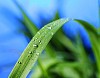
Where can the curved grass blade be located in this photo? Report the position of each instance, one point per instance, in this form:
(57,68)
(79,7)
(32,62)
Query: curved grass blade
(83,58)
(66,41)
(29,24)
(94,38)
(32,29)
(87,26)
(34,48)
(56,17)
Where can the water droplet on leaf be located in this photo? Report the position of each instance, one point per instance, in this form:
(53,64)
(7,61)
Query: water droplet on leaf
(34,45)
(37,54)
(30,52)
(19,62)
(39,41)
(49,28)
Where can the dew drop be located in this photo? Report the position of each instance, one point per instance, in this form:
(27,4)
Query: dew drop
(49,28)
(34,45)
(30,52)
(19,62)
(39,41)
(36,38)
(37,54)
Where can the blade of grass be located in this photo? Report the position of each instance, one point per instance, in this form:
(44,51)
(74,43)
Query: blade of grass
(30,26)
(87,26)
(66,70)
(94,36)
(34,49)
(65,41)
(83,58)
(45,73)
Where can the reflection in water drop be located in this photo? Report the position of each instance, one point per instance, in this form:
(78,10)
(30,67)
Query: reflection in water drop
(37,54)
(30,52)
(49,28)
(34,45)
(36,38)
(19,62)
(39,41)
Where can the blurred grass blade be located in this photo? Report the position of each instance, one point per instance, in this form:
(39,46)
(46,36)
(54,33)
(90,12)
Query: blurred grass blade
(65,41)
(94,38)
(66,70)
(34,48)
(83,58)
(56,17)
(87,26)
(32,28)
(29,24)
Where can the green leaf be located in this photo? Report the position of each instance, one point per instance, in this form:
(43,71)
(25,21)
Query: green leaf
(34,49)
(85,63)
(28,23)
(65,41)
(56,17)
(32,29)
(94,38)
(87,26)
(47,62)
